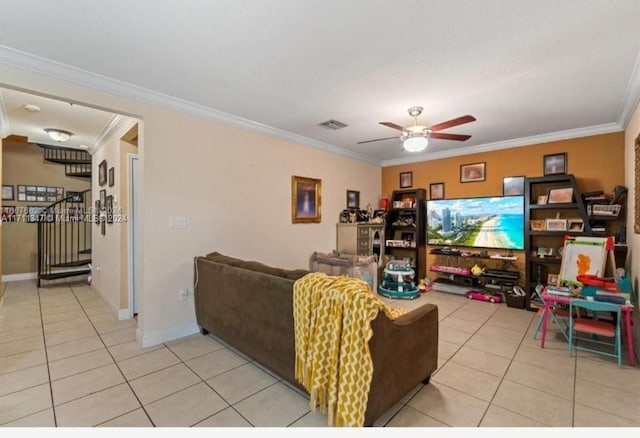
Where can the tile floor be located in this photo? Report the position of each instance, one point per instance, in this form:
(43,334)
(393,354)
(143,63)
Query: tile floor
(66,361)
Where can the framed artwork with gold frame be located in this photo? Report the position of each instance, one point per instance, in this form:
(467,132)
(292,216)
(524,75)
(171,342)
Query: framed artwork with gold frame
(306,200)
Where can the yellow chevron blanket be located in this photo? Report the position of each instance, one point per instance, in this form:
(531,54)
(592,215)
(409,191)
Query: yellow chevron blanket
(332,319)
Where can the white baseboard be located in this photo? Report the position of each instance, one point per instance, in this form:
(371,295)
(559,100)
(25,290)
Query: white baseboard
(124,314)
(20,277)
(150,339)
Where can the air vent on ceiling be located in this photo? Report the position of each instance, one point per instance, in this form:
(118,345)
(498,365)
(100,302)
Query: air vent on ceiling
(333,124)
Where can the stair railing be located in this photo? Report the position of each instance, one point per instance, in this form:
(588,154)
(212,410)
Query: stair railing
(64,237)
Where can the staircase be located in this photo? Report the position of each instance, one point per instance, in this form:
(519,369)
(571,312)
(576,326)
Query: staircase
(64,227)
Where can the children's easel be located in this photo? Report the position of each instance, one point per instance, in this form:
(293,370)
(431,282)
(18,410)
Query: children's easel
(585,256)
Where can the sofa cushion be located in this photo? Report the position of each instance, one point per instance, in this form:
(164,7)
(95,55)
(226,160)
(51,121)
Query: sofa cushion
(291,274)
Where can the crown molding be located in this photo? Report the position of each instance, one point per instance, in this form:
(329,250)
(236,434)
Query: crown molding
(115,122)
(631,96)
(57,70)
(5,129)
(606,128)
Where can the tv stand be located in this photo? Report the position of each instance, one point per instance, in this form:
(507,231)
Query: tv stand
(453,268)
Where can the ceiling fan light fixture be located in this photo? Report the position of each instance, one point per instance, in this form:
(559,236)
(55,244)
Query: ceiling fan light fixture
(415,144)
(59,135)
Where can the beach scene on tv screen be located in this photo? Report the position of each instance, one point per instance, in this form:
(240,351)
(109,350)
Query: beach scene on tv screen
(496,222)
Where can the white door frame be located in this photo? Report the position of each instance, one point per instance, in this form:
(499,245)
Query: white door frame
(134,267)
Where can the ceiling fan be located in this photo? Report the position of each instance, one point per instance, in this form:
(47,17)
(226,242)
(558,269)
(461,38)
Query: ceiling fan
(416,138)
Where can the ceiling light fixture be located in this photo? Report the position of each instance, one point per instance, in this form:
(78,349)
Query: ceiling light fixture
(415,138)
(415,144)
(32,108)
(58,135)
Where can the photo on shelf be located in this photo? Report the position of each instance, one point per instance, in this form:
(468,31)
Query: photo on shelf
(537,225)
(542,200)
(575,224)
(562,195)
(556,224)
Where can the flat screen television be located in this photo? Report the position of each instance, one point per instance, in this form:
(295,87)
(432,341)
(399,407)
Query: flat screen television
(489,222)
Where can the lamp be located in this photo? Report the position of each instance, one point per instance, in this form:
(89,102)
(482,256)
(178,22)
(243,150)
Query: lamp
(415,144)
(58,135)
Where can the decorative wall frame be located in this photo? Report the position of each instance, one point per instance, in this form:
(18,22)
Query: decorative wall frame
(513,186)
(102,173)
(306,200)
(8,213)
(109,209)
(436,191)
(474,172)
(103,199)
(353,199)
(7,193)
(406,180)
(555,164)
(112,179)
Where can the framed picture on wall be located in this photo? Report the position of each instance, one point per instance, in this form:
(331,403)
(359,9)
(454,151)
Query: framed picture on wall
(8,213)
(436,191)
(306,200)
(109,209)
(555,164)
(353,199)
(513,186)
(102,173)
(406,180)
(7,193)
(103,199)
(472,172)
(111,177)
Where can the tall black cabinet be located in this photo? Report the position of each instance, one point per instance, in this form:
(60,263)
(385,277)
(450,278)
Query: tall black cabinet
(405,232)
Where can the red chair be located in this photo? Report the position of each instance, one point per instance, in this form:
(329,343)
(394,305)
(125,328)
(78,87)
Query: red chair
(595,328)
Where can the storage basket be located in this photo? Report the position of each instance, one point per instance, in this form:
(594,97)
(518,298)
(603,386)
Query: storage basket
(516,301)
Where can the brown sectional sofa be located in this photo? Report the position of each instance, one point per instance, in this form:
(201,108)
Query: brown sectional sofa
(249,306)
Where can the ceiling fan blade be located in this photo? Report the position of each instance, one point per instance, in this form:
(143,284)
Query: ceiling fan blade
(392,126)
(444,136)
(377,139)
(453,122)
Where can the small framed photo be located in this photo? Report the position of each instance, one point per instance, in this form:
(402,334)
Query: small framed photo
(103,227)
(560,196)
(556,224)
(544,252)
(542,200)
(575,225)
(96,212)
(109,209)
(306,200)
(103,199)
(537,225)
(406,180)
(7,193)
(112,179)
(102,173)
(353,199)
(552,279)
(555,164)
(76,197)
(513,186)
(436,190)
(472,172)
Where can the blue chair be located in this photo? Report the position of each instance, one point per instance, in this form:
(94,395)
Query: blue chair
(595,327)
(559,316)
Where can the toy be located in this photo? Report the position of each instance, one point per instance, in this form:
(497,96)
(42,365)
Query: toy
(477,270)
(483,296)
(422,287)
(396,284)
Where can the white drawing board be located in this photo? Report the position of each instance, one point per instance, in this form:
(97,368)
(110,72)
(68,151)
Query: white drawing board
(583,256)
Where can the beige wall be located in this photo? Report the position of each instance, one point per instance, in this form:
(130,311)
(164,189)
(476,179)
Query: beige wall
(24,164)
(232,186)
(1,229)
(633,262)
(107,249)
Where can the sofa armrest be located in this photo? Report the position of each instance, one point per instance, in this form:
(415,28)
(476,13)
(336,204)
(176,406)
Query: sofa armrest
(404,352)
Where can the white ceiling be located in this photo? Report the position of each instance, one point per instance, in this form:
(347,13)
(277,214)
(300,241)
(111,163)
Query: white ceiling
(529,71)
